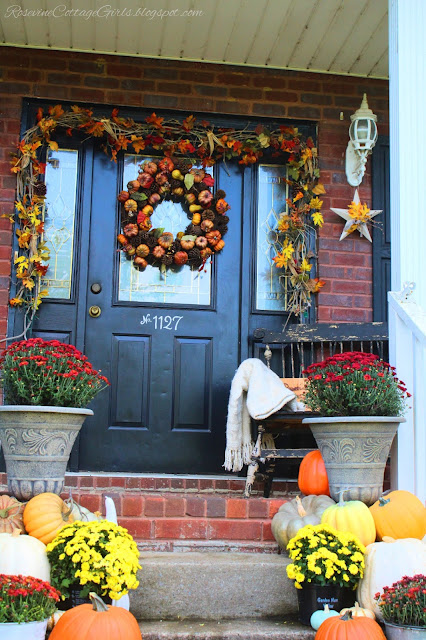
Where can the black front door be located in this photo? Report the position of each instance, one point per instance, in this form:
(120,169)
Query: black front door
(169,343)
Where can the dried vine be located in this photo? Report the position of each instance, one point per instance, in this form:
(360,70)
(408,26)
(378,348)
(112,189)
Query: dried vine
(188,138)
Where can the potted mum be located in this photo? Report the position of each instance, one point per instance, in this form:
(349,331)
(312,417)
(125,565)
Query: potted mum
(361,403)
(99,557)
(327,565)
(26,604)
(403,606)
(46,387)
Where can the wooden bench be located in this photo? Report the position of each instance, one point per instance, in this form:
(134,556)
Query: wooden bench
(288,354)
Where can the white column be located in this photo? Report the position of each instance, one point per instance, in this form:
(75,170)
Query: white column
(407,92)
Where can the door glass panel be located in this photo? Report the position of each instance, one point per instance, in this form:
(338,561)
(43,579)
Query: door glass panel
(271,286)
(59,220)
(181,286)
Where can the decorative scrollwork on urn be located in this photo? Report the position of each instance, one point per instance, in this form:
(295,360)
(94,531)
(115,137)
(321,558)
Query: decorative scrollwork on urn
(376,449)
(337,450)
(48,443)
(11,439)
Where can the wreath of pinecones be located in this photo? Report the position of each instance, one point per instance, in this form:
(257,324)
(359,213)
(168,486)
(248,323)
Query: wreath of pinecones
(178,181)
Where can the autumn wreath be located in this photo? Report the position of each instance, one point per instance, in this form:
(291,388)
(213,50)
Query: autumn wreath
(179,181)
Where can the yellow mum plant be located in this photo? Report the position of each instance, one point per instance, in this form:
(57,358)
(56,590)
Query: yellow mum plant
(99,556)
(322,555)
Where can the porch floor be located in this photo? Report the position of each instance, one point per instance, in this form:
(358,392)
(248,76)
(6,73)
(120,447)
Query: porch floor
(226,630)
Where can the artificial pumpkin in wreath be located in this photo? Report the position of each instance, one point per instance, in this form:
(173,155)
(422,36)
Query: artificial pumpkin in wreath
(179,181)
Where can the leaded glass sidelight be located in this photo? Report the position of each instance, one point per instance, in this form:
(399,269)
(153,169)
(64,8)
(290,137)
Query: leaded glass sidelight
(271,285)
(175,286)
(59,221)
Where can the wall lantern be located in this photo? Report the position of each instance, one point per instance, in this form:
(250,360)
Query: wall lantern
(363,137)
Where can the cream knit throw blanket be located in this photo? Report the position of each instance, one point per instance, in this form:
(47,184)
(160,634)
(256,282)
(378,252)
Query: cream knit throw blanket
(256,392)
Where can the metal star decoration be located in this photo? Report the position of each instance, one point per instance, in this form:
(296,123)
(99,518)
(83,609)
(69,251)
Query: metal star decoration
(357,217)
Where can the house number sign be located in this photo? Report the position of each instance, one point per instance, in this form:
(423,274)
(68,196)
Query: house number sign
(169,323)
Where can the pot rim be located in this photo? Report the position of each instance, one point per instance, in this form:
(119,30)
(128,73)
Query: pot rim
(44,621)
(334,419)
(14,408)
(403,626)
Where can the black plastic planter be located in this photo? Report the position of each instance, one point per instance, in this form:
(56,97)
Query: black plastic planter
(314,596)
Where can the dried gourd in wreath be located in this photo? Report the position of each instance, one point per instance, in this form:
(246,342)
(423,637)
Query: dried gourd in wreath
(179,181)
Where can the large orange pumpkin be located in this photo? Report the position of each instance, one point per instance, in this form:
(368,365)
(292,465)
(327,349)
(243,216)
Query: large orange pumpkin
(44,515)
(96,621)
(400,514)
(347,628)
(313,479)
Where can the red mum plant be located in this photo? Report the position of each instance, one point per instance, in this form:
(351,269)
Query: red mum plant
(354,384)
(26,599)
(404,603)
(48,373)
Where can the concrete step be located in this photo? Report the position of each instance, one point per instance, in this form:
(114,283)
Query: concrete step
(213,586)
(226,630)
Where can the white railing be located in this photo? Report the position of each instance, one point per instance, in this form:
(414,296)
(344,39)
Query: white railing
(407,352)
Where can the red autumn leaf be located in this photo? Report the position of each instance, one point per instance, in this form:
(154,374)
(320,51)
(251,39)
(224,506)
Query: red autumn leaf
(69,132)
(208,180)
(114,113)
(39,115)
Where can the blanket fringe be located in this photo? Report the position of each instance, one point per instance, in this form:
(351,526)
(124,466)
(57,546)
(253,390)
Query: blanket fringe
(236,458)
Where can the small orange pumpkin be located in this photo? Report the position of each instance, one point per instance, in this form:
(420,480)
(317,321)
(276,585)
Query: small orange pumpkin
(11,511)
(44,515)
(347,628)
(96,621)
(313,479)
(400,514)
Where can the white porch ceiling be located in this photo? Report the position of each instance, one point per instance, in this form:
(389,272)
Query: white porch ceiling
(348,37)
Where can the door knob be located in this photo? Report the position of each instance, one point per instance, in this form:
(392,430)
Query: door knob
(96,287)
(95,311)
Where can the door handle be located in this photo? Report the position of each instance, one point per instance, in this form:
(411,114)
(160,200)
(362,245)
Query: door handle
(95,311)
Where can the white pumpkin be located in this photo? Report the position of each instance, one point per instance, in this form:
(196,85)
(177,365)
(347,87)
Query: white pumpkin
(23,555)
(296,514)
(81,513)
(387,562)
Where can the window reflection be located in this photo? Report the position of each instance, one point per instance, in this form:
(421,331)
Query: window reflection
(59,223)
(175,286)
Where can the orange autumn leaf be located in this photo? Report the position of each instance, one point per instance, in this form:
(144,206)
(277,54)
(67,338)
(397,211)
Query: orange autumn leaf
(122,142)
(138,144)
(317,284)
(56,111)
(53,145)
(188,123)
(318,190)
(15,302)
(96,129)
(298,196)
(155,121)
(39,115)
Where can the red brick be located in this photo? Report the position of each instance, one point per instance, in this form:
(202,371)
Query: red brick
(154,506)
(268,83)
(174,87)
(236,508)
(86,95)
(267,532)
(236,79)
(86,481)
(140,528)
(95,66)
(207,90)
(195,506)
(246,94)
(234,530)
(167,102)
(258,508)
(216,507)
(71,481)
(162,483)
(266,109)
(221,485)
(206,484)
(191,484)
(93,502)
(188,529)
(131,505)
(174,507)
(133,483)
(147,484)
(310,113)
(200,76)
(177,483)
(101,82)
(281,96)
(118,482)
(122,70)
(228,106)
(102,482)
(316,98)
(274,505)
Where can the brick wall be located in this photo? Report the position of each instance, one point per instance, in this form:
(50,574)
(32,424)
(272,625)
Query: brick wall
(190,87)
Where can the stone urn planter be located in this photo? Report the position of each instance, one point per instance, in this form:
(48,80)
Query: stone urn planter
(37,443)
(396,632)
(355,450)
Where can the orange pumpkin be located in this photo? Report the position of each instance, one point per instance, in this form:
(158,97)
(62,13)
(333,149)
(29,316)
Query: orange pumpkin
(96,621)
(313,479)
(347,628)
(11,515)
(399,515)
(44,515)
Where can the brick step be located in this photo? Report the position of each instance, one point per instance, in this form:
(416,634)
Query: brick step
(213,586)
(226,630)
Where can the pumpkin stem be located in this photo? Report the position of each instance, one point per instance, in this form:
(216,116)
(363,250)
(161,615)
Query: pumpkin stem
(326,609)
(16,532)
(388,539)
(97,602)
(300,509)
(4,513)
(340,494)
(383,501)
(346,616)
